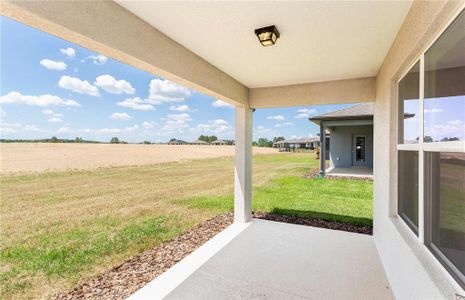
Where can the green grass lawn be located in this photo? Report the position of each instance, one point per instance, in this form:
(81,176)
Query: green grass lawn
(331,200)
(59,228)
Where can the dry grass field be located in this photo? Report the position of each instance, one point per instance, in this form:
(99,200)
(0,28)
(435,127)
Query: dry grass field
(38,157)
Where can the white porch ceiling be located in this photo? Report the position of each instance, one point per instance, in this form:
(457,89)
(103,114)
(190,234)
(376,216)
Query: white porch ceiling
(320,41)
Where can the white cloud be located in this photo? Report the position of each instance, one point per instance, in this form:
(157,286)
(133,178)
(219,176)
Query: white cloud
(276,118)
(113,86)
(53,116)
(263,132)
(42,100)
(2,113)
(135,103)
(455,122)
(70,52)
(305,113)
(180,108)
(217,127)
(283,124)
(432,110)
(179,117)
(219,103)
(17,128)
(120,116)
(98,59)
(175,123)
(53,65)
(453,128)
(164,91)
(90,131)
(307,110)
(132,128)
(149,125)
(77,85)
(49,112)
(55,120)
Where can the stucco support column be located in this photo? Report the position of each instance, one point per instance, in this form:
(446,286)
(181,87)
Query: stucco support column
(322,149)
(243,165)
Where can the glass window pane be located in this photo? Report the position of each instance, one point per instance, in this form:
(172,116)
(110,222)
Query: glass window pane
(445,209)
(409,106)
(408,188)
(445,85)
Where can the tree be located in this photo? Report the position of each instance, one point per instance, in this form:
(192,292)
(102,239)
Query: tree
(114,140)
(54,139)
(147,142)
(208,138)
(278,139)
(172,140)
(428,139)
(264,142)
(78,140)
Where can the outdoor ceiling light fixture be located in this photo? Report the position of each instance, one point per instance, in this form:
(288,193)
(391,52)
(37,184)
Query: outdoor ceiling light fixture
(267,35)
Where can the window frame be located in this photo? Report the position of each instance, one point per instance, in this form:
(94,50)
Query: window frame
(421,147)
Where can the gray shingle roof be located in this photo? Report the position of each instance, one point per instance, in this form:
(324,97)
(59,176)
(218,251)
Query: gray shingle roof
(299,141)
(200,142)
(364,110)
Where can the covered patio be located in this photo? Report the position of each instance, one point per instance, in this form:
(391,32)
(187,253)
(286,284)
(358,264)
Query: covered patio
(358,172)
(327,53)
(270,260)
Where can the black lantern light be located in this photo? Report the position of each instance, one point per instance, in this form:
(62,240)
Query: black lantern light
(267,35)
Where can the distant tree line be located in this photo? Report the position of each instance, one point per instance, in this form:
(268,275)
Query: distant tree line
(264,142)
(53,139)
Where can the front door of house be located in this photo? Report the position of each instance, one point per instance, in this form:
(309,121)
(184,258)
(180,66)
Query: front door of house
(359,145)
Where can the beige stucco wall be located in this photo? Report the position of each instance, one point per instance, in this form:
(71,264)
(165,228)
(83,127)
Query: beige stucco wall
(411,269)
(106,27)
(328,92)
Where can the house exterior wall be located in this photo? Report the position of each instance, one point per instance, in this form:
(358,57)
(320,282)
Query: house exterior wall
(341,140)
(412,270)
(353,90)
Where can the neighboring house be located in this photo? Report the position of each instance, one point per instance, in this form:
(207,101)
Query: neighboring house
(199,142)
(306,143)
(178,142)
(218,143)
(351,136)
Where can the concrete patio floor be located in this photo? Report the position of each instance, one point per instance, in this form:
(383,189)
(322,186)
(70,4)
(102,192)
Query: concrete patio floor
(363,172)
(271,260)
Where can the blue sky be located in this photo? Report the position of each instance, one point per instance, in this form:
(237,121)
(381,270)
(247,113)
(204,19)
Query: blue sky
(50,87)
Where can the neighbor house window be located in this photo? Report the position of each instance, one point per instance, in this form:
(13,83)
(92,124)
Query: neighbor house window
(431,149)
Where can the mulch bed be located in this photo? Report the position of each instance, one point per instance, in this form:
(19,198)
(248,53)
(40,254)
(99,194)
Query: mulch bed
(315,173)
(359,178)
(125,279)
(122,281)
(344,226)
